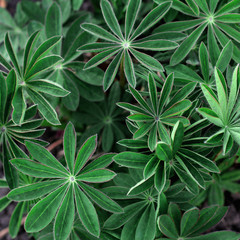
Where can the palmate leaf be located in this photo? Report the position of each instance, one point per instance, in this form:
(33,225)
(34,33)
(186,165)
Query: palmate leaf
(124,45)
(61,185)
(191,220)
(34,63)
(152,116)
(216,17)
(47,208)
(222,109)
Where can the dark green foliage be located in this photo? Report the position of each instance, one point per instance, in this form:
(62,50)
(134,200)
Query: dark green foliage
(153,143)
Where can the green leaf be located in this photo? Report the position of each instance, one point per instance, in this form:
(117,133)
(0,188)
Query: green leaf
(212,99)
(199,160)
(167,226)
(146,228)
(213,48)
(147,61)
(221,235)
(99,32)
(129,229)
(19,106)
(4,62)
(152,138)
(41,52)
(141,187)
(110,18)
(187,45)
(177,137)
(33,10)
(43,156)
(203,6)
(48,87)
(140,99)
(140,118)
(86,212)
(129,69)
(77,4)
(193,6)
(222,91)
(178,26)
(177,108)
(3,96)
(153,92)
(204,61)
(164,151)
(229,18)
(208,218)
(53,24)
(235,133)
(166,90)
(34,191)
(16,219)
(100,162)
(85,153)
(10,172)
(215,195)
(151,167)
(11,53)
(69,144)
(44,211)
(234,90)
(151,19)
(36,169)
(117,220)
(97,47)
(211,116)
(100,58)
(31,43)
(4,202)
(131,159)
(112,71)
(155,45)
(160,177)
(184,176)
(133,143)
(65,217)
(96,176)
(42,65)
(164,134)
(101,199)
(175,213)
(44,107)
(225,57)
(143,130)
(81,39)
(71,101)
(229,7)
(11,82)
(230,31)
(189,219)
(6,19)
(131,16)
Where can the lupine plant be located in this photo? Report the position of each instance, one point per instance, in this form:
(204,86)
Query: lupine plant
(120,122)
